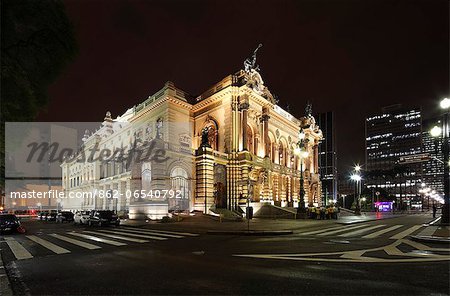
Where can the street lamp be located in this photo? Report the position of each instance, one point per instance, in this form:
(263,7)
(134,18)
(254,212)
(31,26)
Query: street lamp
(444,133)
(436,131)
(301,152)
(357,178)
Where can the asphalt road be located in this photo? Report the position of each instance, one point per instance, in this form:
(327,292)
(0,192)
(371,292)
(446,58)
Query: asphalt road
(320,258)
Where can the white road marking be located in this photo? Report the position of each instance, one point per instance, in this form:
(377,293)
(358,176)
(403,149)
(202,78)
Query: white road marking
(48,245)
(357,232)
(406,232)
(321,230)
(18,250)
(98,239)
(383,231)
(76,242)
(148,232)
(356,256)
(170,232)
(343,228)
(130,239)
(135,235)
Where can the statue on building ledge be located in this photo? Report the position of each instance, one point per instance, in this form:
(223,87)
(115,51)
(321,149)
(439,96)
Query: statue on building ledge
(253,78)
(205,137)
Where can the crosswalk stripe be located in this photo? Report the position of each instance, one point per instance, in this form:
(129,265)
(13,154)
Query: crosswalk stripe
(97,239)
(136,235)
(165,231)
(321,230)
(383,231)
(136,240)
(406,232)
(18,250)
(342,229)
(48,245)
(356,232)
(147,232)
(75,242)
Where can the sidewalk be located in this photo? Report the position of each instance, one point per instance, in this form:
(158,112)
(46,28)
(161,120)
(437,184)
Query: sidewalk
(208,224)
(434,233)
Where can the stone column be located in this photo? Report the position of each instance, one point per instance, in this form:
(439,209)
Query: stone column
(276,190)
(234,125)
(265,120)
(245,179)
(244,108)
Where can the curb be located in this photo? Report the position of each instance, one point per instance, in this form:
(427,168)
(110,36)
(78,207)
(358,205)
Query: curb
(5,285)
(251,232)
(432,222)
(430,239)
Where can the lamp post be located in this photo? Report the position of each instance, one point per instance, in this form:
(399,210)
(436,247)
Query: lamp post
(444,133)
(357,178)
(301,152)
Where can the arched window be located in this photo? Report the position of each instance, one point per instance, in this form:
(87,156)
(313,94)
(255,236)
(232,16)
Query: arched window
(180,182)
(180,186)
(213,132)
(281,156)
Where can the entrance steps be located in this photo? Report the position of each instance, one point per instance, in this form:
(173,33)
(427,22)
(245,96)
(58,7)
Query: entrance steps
(227,214)
(269,211)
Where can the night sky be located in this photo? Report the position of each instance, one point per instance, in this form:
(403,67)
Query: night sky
(352,57)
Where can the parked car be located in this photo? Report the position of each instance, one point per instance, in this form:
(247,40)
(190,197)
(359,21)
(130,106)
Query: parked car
(81,217)
(43,216)
(51,216)
(102,218)
(10,223)
(64,216)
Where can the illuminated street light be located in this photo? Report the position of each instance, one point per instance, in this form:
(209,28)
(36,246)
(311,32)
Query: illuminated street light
(445,103)
(357,168)
(356,177)
(444,133)
(436,131)
(301,152)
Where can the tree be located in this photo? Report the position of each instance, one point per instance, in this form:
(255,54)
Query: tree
(37,43)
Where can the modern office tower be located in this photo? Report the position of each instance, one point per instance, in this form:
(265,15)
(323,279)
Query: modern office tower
(391,136)
(328,156)
(433,168)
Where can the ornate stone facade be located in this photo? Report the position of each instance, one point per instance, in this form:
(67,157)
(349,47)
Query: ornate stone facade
(231,143)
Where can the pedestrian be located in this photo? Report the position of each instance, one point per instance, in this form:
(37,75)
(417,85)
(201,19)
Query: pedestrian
(434,210)
(322,213)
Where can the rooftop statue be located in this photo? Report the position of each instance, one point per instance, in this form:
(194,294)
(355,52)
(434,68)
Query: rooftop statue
(254,79)
(308,110)
(250,63)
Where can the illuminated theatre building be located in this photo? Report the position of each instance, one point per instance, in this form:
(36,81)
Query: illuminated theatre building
(230,144)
